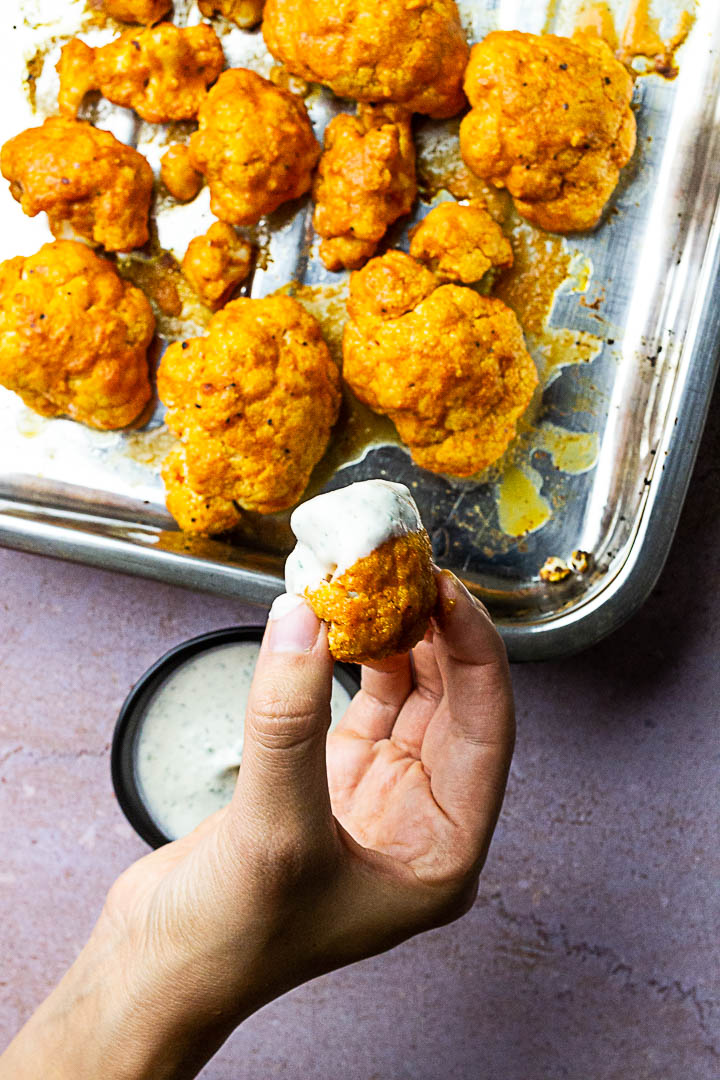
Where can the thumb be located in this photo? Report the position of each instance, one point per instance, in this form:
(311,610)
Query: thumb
(283,776)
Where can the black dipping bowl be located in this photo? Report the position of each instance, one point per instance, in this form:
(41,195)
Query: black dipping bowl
(129,722)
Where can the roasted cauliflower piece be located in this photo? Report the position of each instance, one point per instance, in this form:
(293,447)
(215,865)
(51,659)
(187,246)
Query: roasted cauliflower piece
(76,68)
(244,13)
(460,242)
(177,172)
(74,336)
(363,562)
(448,366)
(216,263)
(85,180)
(410,53)
(365,182)
(551,122)
(137,11)
(380,606)
(193,513)
(253,402)
(162,72)
(254,145)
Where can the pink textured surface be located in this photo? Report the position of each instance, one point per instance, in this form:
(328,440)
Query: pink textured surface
(592,951)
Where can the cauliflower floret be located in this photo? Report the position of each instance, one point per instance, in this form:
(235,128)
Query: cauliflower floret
(83,178)
(162,73)
(216,263)
(177,172)
(365,181)
(193,513)
(551,122)
(255,146)
(76,68)
(137,11)
(74,336)
(244,13)
(411,53)
(253,402)
(448,366)
(381,605)
(460,242)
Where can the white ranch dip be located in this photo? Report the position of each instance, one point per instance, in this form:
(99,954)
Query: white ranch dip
(338,528)
(191,738)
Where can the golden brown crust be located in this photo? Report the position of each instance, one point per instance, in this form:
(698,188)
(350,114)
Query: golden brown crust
(74,336)
(205,516)
(163,73)
(460,242)
(253,402)
(413,54)
(244,13)
(83,178)
(216,263)
(551,122)
(178,175)
(76,68)
(382,604)
(255,146)
(365,182)
(137,11)
(448,366)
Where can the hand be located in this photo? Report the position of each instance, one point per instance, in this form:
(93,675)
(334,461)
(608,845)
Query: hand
(312,866)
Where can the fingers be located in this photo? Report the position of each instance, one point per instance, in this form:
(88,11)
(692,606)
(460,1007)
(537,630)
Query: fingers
(471,738)
(283,781)
(417,712)
(384,690)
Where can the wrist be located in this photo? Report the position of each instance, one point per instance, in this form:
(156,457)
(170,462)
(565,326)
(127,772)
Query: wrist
(112,1017)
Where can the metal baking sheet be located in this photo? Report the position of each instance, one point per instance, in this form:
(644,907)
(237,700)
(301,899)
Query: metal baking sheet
(627,354)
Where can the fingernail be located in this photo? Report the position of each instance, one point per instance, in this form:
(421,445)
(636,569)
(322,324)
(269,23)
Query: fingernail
(292,627)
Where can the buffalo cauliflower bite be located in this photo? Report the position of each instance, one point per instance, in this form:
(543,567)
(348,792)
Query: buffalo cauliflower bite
(162,72)
(365,182)
(410,53)
(74,336)
(194,513)
(244,13)
(216,262)
(255,146)
(363,562)
(448,366)
(177,172)
(84,179)
(551,122)
(460,242)
(253,402)
(137,11)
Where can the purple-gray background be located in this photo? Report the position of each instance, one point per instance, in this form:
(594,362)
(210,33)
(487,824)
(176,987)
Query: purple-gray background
(592,952)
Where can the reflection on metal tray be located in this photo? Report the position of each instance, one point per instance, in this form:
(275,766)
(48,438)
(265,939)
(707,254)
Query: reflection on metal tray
(627,348)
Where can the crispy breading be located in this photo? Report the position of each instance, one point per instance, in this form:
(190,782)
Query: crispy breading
(253,402)
(137,11)
(551,122)
(244,13)
(254,145)
(460,242)
(448,366)
(194,513)
(84,179)
(382,604)
(216,263)
(177,172)
(365,182)
(163,72)
(74,336)
(410,53)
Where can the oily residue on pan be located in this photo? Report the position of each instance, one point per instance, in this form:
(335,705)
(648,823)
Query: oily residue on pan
(640,38)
